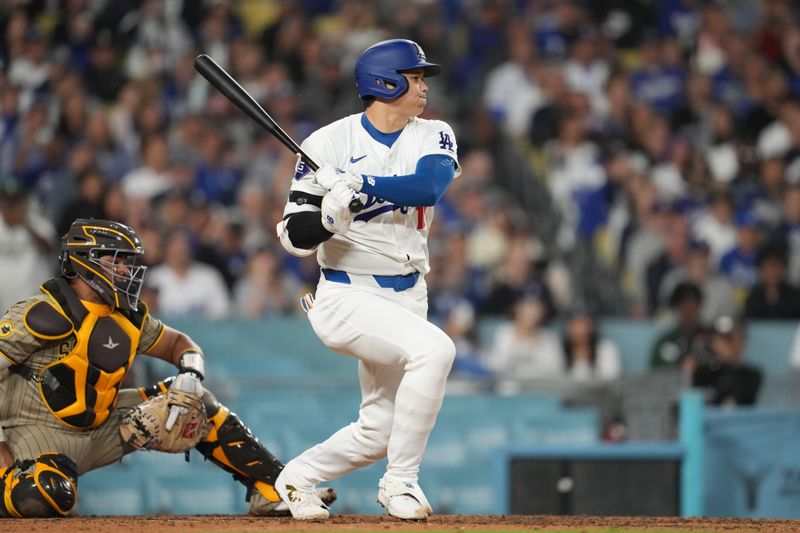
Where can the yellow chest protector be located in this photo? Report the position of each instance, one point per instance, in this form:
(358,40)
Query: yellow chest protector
(81,388)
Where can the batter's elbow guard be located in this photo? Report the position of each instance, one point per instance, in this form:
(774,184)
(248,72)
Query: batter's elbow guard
(44,487)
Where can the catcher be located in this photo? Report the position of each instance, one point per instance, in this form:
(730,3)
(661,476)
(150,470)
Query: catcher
(63,356)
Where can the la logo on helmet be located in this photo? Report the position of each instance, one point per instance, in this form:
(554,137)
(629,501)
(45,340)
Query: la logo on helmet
(420,53)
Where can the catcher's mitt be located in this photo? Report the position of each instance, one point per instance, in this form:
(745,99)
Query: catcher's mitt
(145,425)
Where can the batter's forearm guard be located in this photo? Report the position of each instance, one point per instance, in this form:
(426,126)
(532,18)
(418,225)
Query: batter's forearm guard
(44,487)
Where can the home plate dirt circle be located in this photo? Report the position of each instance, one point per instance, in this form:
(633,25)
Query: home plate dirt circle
(236,523)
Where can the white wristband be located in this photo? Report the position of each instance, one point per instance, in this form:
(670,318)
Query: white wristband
(2,435)
(192,361)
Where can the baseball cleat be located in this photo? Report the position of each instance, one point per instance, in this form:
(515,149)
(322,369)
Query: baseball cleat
(260,506)
(404,499)
(302,499)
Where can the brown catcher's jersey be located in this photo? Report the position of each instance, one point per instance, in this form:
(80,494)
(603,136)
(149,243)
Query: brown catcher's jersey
(68,356)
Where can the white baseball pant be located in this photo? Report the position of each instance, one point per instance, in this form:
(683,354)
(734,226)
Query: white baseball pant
(404,361)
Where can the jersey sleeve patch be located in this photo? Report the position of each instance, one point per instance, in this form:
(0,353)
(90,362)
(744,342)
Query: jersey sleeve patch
(45,322)
(301,169)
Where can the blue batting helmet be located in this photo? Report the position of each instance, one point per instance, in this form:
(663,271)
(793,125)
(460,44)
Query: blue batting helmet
(384,62)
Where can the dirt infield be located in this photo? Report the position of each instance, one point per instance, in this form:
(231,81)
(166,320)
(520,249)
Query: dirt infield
(231,523)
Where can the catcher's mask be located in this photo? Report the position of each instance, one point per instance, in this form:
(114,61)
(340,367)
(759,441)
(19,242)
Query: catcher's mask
(106,255)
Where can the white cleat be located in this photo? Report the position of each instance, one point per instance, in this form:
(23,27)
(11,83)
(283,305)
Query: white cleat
(303,499)
(404,499)
(260,506)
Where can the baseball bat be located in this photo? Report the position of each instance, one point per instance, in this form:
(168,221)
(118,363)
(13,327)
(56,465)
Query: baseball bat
(233,91)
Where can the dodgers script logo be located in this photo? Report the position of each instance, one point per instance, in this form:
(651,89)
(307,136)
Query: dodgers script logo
(301,169)
(366,216)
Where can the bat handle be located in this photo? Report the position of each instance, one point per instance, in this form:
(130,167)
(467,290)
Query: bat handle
(356,205)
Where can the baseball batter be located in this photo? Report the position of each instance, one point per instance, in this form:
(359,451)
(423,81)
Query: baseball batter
(371,301)
(63,356)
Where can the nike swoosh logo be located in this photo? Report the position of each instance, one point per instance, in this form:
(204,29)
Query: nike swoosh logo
(110,344)
(357,159)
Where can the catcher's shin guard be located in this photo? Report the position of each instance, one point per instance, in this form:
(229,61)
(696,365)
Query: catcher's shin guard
(233,447)
(44,487)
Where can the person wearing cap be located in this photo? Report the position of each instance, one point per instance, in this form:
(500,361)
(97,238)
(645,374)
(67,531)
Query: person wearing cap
(726,379)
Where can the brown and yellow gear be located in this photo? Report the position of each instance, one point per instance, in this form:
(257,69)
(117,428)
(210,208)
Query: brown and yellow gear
(44,487)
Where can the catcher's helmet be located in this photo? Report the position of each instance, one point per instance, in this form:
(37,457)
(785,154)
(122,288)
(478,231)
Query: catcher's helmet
(105,255)
(385,62)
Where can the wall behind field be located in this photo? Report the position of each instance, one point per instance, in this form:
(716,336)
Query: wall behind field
(293,392)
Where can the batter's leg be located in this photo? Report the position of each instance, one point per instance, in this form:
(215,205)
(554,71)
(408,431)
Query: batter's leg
(388,333)
(364,441)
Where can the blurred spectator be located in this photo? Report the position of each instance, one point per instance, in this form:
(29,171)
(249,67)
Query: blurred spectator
(658,82)
(641,238)
(104,77)
(523,349)
(30,71)
(739,264)
(516,278)
(455,281)
(469,365)
(772,297)
(673,257)
(587,355)
(787,232)
(727,380)
(186,287)
(89,202)
(11,121)
(718,296)
(765,199)
(626,116)
(153,177)
(556,99)
(685,341)
(217,179)
(587,70)
(782,135)
(26,244)
(520,72)
(715,226)
(623,21)
(264,289)
(111,157)
(577,180)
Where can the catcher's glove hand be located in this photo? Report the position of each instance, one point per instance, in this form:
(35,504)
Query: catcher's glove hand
(146,425)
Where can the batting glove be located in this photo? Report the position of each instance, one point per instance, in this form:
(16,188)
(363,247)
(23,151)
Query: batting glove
(186,382)
(327,176)
(336,215)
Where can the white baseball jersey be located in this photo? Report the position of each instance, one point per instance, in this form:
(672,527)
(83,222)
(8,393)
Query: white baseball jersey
(384,238)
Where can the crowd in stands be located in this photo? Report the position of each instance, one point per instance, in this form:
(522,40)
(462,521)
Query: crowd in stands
(619,156)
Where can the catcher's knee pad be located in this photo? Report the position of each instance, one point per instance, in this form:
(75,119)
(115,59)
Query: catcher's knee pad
(233,447)
(44,487)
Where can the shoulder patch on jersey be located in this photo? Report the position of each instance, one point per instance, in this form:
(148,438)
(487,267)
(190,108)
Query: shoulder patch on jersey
(6,328)
(45,322)
(301,169)
(445,142)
